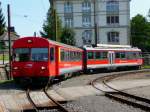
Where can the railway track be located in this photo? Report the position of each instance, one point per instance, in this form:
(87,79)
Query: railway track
(54,104)
(130,99)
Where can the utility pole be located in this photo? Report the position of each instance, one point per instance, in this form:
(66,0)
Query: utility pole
(9,26)
(55,17)
(95,22)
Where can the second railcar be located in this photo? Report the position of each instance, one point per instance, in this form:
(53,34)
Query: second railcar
(112,57)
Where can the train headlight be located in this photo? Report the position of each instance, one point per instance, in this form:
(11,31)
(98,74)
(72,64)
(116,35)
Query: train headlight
(43,68)
(29,41)
(15,68)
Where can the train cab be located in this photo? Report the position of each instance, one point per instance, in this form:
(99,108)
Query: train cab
(37,58)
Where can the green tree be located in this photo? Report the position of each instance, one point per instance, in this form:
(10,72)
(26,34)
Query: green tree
(140,32)
(2,26)
(49,26)
(148,15)
(67,36)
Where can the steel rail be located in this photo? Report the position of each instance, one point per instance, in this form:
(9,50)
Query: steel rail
(130,99)
(37,108)
(54,101)
(30,100)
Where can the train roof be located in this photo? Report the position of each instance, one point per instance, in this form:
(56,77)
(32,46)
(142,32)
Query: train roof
(63,45)
(45,41)
(112,47)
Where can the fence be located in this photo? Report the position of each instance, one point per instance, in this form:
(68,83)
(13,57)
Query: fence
(4,57)
(146,58)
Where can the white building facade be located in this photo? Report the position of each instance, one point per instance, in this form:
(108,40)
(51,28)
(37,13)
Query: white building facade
(112,18)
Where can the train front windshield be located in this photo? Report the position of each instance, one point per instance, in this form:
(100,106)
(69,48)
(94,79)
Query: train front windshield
(30,54)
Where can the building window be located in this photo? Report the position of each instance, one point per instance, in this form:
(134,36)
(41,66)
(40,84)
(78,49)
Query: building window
(112,9)
(87,37)
(112,19)
(112,6)
(86,6)
(113,37)
(86,20)
(69,22)
(86,13)
(68,7)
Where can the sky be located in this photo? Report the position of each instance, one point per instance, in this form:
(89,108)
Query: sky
(28,16)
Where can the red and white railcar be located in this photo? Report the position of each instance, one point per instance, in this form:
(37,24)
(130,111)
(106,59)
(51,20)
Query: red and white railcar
(39,58)
(112,56)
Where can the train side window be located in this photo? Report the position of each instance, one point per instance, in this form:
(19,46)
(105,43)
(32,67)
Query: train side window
(90,55)
(122,55)
(75,54)
(52,54)
(140,55)
(136,55)
(69,55)
(104,55)
(128,55)
(62,55)
(78,56)
(65,54)
(97,55)
(117,54)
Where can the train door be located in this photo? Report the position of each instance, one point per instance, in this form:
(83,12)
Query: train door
(111,58)
(52,61)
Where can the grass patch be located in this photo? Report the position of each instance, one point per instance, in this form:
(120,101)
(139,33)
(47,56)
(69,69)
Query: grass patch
(5,81)
(146,67)
(6,57)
